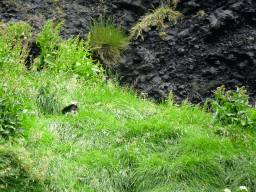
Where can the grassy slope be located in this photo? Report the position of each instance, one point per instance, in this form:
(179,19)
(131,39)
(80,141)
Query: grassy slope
(119,142)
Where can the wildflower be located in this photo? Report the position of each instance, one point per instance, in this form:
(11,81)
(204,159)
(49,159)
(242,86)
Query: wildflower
(243,188)
(227,190)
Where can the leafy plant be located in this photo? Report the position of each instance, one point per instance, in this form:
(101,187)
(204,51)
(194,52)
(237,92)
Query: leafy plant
(107,40)
(10,109)
(231,109)
(75,54)
(252,114)
(72,54)
(48,40)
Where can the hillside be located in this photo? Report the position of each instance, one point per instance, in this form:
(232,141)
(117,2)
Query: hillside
(213,44)
(119,139)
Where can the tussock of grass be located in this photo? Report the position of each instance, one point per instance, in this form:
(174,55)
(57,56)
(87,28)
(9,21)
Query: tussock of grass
(156,17)
(107,39)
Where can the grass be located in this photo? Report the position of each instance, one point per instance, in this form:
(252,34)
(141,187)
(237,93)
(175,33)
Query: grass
(118,141)
(200,13)
(107,39)
(156,17)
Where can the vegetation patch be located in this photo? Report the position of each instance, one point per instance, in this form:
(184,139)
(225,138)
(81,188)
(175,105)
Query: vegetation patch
(71,55)
(118,141)
(156,17)
(18,171)
(107,40)
(10,110)
(231,109)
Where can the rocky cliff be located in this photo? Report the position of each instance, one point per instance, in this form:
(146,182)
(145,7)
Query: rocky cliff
(195,56)
(198,54)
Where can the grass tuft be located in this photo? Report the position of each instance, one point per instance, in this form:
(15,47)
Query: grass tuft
(156,17)
(107,40)
(200,13)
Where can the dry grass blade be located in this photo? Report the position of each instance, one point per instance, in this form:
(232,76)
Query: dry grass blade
(157,17)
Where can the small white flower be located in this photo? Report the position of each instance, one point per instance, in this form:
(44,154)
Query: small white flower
(227,190)
(243,187)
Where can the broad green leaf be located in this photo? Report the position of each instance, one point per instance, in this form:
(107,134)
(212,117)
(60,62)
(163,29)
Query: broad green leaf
(50,60)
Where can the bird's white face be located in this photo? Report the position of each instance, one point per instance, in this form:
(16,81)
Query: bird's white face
(74,102)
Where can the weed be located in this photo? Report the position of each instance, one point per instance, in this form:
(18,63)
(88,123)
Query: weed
(48,40)
(170,102)
(18,171)
(75,54)
(72,54)
(48,99)
(231,110)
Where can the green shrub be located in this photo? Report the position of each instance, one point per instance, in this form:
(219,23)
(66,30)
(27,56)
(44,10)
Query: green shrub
(107,40)
(72,54)
(231,109)
(48,40)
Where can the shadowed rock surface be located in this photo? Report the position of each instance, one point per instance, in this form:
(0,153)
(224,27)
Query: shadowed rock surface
(197,55)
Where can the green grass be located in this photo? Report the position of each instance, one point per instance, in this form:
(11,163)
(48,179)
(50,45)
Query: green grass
(118,141)
(107,39)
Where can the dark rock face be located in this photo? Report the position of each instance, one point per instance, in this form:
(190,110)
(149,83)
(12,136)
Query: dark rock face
(76,13)
(197,55)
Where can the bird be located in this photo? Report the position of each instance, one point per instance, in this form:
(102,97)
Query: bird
(72,108)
